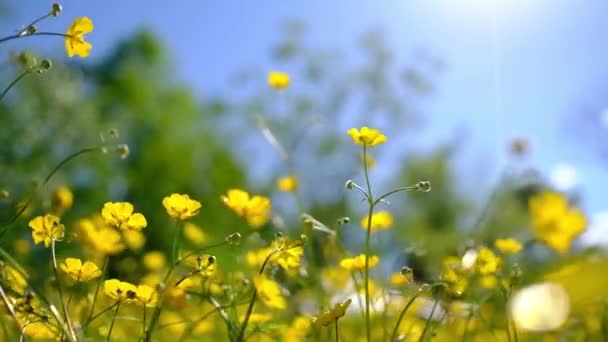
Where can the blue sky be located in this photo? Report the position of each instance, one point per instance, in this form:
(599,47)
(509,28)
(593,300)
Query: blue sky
(513,67)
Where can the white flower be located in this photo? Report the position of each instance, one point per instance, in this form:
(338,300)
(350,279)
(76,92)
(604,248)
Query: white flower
(540,307)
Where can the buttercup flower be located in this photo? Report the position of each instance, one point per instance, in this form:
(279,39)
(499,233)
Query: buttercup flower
(287,183)
(508,246)
(46,229)
(380,221)
(358,263)
(255,209)
(367,136)
(120,290)
(269,292)
(79,271)
(555,223)
(328,317)
(278,80)
(487,262)
(74,40)
(120,215)
(180,206)
(146,295)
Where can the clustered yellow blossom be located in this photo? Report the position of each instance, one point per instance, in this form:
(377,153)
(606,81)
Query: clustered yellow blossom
(367,136)
(74,40)
(181,207)
(120,290)
(121,215)
(96,234)
(278,80)
(46,229)
(328,317)
(80,271)
(255,209)
(358,263)
(287,183)
(380,221)
(555,222)
(269,292)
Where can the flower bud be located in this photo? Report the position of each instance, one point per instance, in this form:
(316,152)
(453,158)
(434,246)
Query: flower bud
(349,184)
(123,151)
(343,220)
(46,64)
(424,186)
(233,238)
(113,133)
(56,9)
(31,29)
(4,194)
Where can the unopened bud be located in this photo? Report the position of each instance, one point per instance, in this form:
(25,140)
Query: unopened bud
(113,133)
(424,186)
(304,238)
(123,151)
(31,29)
(343,220)
(56,9)
(4,194)
(349,184)
(233,238)
(46,64)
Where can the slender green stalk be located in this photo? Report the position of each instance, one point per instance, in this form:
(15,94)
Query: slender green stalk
(515,338)
(113,319)
(402,314)
(337,336)
(21,35)
(66,314)
(15,81)
(144,321)
(359,299)
(367,244)
(176,237)
(102,312)
(103,271)
(10,309)
(427,325)
(407,188)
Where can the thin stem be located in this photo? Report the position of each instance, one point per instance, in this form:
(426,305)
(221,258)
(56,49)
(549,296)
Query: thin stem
(176,236)
(428,320)
(359,299)
(402,314)
(103,271)
(15,81)
(46,180)
(66,315)
(21,35)
(102,312)
(337,336)
(113,319)
(407,188)
(36,22)
(10,308)
(144,321)
(367,244)
(219,244)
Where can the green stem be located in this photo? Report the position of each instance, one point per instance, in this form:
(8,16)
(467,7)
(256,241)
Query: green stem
(103,271)
(15,81)
(359,299)
(176,236)
(21,35)
(367,244)
(102,312)
(66,315)
(402,314)
(337,336)
(427,325)
(144,321)
(113,319)
(407,188)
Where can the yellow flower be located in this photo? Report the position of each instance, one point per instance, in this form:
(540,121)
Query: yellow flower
(146,295)
(97,235)
(40,330)
(367,136)
(278,80)
(257,318)
(555,223)
(134,239)
(508,246)
(79,271)
(380,221)
(154,261)
(298,330)
(401,278)
(180,206)
(194,233)
(120,290)
(74,40)
(487,262)
(287,183)
(63,198)
(14,278)
(488,281)
(358,263)
(120,215)
(206,265)
(255,209)
(46,229)
(269,292)
(328,317)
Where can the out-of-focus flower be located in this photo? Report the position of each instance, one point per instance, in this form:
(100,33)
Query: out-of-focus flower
(287,183)
(380,221)
(328,317)
(508,246)
(367,136)
(298,330)
(40,330)
(194,233)
(404,277)
(100,237)
(278,80)
(80,271)
(487,262)
(63,198)
(540,307)
(121,215)
(488,281)
(255,209)
(555,223)
(134,239)
(74,40)
(269,292)
(120,290)
(358,263)
(46,229)
(181,207)
(154,260)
